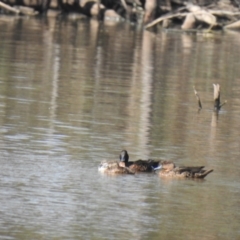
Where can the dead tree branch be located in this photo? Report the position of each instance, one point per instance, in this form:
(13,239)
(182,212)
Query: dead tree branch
(9,8)
(168,16)
(198,99)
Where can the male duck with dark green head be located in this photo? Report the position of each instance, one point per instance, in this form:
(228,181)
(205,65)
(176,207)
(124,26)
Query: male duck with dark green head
(139,165)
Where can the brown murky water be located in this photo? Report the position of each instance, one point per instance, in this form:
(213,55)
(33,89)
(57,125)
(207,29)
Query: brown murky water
(75,92)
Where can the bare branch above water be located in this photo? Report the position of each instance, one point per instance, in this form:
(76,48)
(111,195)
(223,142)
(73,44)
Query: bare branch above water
(198,98)
(216,97)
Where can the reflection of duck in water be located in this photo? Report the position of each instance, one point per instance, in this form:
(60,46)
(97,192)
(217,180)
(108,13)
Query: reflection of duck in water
(169,169)
(139,165)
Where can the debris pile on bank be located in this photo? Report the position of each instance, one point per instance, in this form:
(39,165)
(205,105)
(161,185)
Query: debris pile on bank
(217,15)
(201,14)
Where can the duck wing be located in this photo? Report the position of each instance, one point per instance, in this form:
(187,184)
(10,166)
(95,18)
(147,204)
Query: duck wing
(193,172)
(142,165)
(154,164)
(189,169)
(203,173)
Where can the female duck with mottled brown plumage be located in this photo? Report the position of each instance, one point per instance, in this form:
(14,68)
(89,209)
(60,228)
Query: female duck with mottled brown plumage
(169,169)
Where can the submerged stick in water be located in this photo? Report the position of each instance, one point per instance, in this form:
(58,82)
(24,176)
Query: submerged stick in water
(198,98)
(216,97)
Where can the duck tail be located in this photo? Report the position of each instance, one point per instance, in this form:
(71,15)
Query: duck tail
(203,174)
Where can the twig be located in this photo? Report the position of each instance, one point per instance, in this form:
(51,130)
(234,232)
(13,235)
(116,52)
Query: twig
(126,8)
(221,13)
(216,97)
(198,98)
(223,103)
(26,10)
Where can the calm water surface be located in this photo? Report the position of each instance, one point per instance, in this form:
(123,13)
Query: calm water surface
(73,93)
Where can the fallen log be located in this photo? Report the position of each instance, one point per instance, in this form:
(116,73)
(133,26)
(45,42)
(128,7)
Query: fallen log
(222,13)
(166,17)
(189,22)
(234,25)
(150,8)
(26,10)
(202,15)
(198,14)
(193,14)
(9,8)
(19,9)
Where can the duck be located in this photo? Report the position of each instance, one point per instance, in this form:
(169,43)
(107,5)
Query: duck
(112,168)
(169,169)
(138,165)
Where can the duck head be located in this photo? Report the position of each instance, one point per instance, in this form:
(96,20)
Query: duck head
(124,156)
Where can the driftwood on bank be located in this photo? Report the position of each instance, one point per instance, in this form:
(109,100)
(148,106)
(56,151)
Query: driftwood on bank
(234,25)
(195,17)
(222,14)
(26,10)
(195,14)
(19,9)
(124,4)
(9,8)
(161,19)
(202,15)
(150,9)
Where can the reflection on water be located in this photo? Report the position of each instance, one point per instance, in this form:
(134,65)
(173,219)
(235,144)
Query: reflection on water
(75,92)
